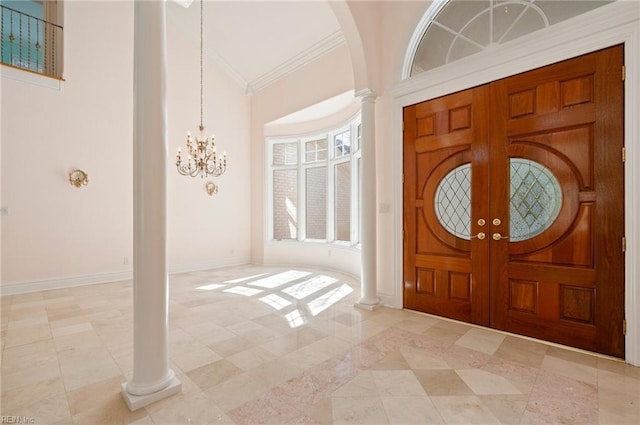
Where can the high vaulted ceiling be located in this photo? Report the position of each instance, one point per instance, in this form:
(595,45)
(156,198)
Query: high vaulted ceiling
(258,42)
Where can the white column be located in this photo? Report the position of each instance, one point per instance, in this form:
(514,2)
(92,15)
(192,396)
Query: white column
(368,212)
(152,379)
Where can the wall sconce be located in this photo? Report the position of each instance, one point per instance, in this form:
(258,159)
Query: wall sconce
(78,178)
(212,188)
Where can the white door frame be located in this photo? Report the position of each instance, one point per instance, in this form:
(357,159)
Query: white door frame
(606,26)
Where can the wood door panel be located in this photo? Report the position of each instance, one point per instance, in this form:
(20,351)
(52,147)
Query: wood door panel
(579,116)
(446,284)
(432,166)
(565,283)
(562,332)
(577,304)
(427,243)
(530,271)
(552,96)
(451,140)
(523,295)
(439,276)
(575,143)
(575,248)
(443,292)
(551,300)
(456,264)
(564,129)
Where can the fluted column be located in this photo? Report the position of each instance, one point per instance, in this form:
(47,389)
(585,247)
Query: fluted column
(368,227)
(152,378)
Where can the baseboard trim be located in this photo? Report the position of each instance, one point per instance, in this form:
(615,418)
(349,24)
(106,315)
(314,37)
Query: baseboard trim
(95,279)
(63,282)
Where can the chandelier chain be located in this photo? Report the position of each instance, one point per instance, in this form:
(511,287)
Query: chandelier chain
(201,48)
(202,159)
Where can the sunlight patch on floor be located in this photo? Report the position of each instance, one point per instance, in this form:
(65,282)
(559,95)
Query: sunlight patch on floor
(308,287)
(211,287)
(244,279)
(279,279)
(295,319)
(242,290)
(322,303)
(275,301)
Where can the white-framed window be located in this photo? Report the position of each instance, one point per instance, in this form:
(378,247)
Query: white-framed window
(313,186)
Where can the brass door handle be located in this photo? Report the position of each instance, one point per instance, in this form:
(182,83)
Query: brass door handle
(480,236)
(498,236)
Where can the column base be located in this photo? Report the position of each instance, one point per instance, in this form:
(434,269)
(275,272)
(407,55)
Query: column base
(136,402)
(367,306)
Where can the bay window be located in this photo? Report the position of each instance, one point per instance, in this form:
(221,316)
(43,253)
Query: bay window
(314,186)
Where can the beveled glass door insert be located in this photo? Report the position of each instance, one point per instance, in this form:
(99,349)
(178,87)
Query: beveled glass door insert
(535,199)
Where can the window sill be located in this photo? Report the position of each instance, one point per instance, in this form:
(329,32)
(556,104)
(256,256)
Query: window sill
(316,242)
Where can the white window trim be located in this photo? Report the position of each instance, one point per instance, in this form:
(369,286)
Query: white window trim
(301,166)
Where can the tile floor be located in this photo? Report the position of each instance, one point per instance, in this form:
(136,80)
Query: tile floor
(254,345)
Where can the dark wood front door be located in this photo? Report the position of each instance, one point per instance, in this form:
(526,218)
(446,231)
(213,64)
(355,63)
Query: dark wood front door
(513,204)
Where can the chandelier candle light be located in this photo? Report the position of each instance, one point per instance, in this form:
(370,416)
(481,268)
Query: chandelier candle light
(202,158)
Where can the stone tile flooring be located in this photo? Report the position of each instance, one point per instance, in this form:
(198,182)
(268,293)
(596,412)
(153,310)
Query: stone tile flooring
(260,345)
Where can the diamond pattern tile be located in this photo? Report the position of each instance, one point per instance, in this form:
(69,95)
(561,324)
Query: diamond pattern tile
(242,361)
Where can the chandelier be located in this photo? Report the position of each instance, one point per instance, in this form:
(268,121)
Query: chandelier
(202,158)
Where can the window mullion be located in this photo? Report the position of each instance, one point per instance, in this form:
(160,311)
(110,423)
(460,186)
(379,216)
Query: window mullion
(302,194)
(354,200)
(355,183)
(270,215)
(331,232)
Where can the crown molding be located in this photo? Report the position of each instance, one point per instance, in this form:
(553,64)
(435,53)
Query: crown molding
(298,61)
(227,68)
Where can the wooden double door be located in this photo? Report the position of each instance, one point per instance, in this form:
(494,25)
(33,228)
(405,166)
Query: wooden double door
(513,204)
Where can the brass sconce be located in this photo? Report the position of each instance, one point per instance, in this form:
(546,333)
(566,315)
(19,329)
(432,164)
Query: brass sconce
(212,188)
(78,178)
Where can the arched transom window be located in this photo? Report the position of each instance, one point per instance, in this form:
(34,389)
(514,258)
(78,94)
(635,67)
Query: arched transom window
(454,29)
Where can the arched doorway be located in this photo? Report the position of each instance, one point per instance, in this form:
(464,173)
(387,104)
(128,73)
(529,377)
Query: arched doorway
(610,25)
(513,204)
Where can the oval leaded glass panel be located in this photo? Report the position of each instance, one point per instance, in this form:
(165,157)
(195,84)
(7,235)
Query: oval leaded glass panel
(452,202)
(536,199)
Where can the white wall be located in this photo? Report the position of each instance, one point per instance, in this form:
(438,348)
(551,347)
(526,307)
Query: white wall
(206,231)
(56,234)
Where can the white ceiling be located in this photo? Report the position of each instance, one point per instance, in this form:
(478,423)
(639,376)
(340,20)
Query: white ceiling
(258,42)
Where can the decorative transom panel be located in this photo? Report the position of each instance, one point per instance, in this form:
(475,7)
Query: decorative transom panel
(536,199)
(452,30)
(453,202)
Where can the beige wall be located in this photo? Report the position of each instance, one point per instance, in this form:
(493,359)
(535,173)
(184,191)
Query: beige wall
(328,76)
(56,232)
(88,125)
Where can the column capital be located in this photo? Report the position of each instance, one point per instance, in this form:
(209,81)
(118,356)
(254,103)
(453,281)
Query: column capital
(366,94)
